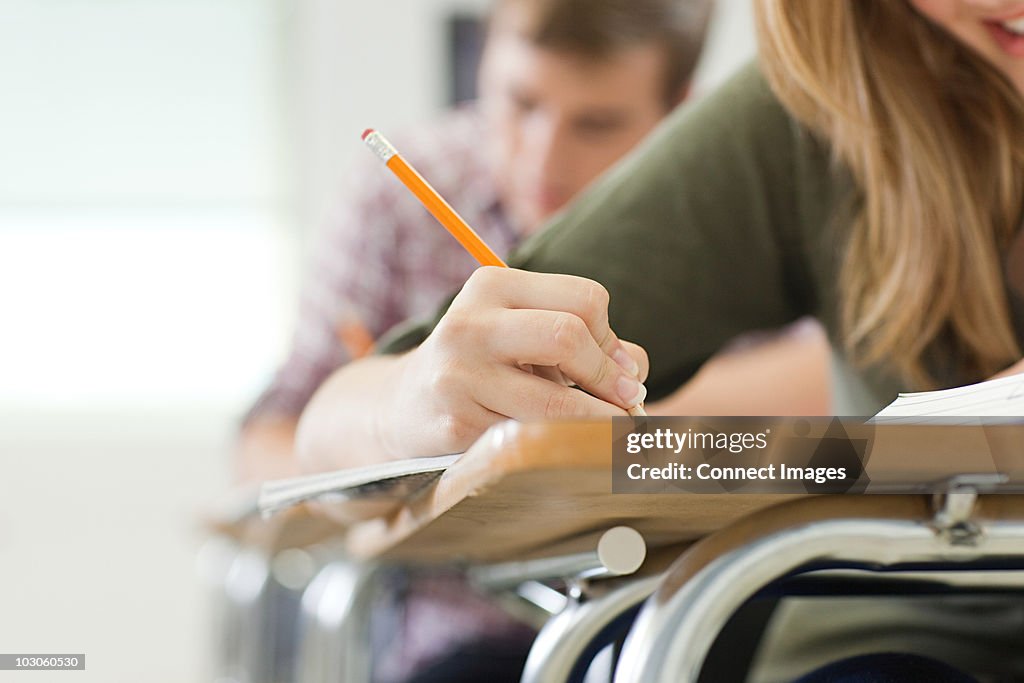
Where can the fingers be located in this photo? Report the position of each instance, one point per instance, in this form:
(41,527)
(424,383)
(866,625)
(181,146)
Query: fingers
(563,340)
(513,340)
(586,299)
(504,288)
(639,356)
(550,374)
(528,397)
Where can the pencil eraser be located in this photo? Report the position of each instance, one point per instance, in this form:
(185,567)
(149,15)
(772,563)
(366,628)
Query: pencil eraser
(378,145)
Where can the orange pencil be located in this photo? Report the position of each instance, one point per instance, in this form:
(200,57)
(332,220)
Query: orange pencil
(435,203)
(440,209)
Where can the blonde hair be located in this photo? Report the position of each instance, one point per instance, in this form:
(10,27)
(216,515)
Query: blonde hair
(932,135)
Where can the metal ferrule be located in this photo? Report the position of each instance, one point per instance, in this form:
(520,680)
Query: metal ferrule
(380,146)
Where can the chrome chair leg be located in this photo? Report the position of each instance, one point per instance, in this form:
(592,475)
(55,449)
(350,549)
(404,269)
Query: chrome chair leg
(334,625)
(565,638)
(678,624)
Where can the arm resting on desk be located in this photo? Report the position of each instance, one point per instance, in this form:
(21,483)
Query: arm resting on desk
(784,374)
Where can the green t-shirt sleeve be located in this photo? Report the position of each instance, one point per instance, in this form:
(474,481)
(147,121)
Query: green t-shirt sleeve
(689,234)
(407,335)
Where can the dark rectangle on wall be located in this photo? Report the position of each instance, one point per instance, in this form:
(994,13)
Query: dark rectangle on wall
(465,44)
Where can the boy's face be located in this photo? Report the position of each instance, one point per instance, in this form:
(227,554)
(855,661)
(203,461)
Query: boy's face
(558,120)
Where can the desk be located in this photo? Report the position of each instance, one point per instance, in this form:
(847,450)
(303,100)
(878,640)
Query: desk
(537,488)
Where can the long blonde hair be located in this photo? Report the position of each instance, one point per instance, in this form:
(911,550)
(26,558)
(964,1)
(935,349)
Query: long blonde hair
(934,138)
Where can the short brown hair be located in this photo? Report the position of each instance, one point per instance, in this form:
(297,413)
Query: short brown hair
(599,28)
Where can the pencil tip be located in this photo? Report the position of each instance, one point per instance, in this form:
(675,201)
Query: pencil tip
(366,133)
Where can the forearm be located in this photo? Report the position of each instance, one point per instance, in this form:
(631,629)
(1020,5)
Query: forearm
(786,375)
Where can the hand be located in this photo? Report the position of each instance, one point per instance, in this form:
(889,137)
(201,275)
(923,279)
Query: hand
(509,347)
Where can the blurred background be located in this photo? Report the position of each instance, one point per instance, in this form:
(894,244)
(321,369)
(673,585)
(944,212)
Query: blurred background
(162,164)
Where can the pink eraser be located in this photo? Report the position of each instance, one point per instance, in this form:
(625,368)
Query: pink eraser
(366,133)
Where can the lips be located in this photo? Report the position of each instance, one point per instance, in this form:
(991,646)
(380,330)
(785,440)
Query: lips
(1009,35)
(1014,25)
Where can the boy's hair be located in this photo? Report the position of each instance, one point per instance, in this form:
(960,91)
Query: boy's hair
(597,29)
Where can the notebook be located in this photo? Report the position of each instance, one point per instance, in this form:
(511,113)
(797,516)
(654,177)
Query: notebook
(998,399)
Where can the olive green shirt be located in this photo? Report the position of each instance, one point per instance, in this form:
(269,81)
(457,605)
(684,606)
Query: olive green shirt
(731,217)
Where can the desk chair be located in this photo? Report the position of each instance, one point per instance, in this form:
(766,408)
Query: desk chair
(334,629)
(257,571)
(539,492)
(532,491)
(337,606)
(956,540)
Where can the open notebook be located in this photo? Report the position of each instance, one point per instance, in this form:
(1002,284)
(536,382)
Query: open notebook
(996,398)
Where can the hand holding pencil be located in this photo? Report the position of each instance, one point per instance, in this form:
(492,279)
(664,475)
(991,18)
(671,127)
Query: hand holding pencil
(522,329)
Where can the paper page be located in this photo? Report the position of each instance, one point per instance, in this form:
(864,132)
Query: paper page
(391,481)
(1003,397)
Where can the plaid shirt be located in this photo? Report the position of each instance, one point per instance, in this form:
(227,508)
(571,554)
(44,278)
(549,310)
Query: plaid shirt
(382,258)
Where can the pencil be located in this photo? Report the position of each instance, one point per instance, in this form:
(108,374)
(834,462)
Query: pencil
(435,203)
(440,209)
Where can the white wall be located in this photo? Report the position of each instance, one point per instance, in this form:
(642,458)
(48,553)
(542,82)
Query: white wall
(144,202)
(143,102)
(145,260)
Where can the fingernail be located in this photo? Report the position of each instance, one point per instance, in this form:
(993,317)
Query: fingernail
(626,361)
(631,391)
(638,410)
